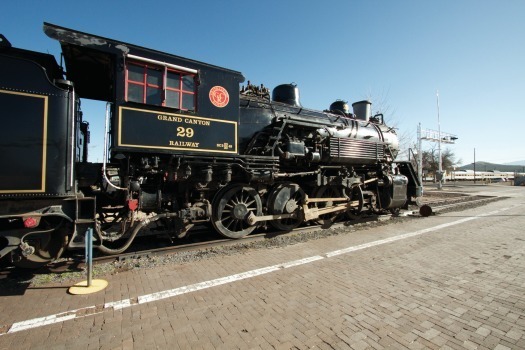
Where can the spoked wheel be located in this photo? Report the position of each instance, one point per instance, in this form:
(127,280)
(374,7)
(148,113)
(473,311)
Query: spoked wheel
(356,195)
(286,199)
(327,191)
(230,208)
(44,244)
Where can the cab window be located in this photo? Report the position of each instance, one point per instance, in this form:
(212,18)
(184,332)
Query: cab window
(162,86)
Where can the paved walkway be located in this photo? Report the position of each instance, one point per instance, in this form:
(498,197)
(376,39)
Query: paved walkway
(452,281)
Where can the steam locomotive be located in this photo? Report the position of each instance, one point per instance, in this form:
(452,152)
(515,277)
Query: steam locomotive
(183,147)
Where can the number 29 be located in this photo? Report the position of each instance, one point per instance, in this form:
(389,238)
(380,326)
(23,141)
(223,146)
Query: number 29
(185,132)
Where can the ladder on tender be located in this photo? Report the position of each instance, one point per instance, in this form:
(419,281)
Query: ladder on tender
(85,218)
(414,187)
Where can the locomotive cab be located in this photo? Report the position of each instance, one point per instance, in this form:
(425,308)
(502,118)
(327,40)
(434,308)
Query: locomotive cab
(160,103)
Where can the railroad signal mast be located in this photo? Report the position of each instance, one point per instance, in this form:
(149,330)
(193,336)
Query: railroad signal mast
(433,136)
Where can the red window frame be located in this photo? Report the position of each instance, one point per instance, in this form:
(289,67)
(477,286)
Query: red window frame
(145,85)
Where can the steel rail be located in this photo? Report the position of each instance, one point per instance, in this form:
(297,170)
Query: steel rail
(78,262)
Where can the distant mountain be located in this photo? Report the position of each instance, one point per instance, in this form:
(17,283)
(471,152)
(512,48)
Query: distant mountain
(519,162)
(485,166)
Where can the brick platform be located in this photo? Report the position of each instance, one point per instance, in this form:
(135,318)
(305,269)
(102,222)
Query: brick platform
(453,281)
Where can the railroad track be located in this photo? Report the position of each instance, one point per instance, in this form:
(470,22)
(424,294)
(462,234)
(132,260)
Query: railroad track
(438,205)
(453,200)
(75,262)
(443,206)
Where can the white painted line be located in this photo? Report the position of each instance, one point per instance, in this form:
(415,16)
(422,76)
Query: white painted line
(148,298)
(39,322)
(301,261)
(403,236)
(204,285)
(117,305)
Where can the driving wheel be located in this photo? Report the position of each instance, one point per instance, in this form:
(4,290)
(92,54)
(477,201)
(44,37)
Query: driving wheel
(327,191)
(356,195)
(230,208)
(286,199)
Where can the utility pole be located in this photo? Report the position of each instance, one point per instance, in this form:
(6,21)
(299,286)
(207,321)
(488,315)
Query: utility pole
(474,164)
(419,156)
(440,171)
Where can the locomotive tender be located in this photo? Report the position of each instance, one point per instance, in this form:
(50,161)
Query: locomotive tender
(182,147)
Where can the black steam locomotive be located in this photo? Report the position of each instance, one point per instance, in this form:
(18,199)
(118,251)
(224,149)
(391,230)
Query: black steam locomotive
(182,147)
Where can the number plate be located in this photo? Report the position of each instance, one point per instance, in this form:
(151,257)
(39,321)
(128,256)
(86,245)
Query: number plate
(153,129)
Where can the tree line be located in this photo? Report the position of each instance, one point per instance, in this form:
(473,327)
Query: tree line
(431,161)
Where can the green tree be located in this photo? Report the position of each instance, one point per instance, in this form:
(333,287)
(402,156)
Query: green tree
(431,160)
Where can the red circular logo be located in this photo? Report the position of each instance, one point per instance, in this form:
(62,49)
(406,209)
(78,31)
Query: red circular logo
(219,96)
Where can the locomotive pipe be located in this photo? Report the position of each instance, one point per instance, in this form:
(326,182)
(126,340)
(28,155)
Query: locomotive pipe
(165,64)
(304,173)
(72,140)
(134,233)
(105,156)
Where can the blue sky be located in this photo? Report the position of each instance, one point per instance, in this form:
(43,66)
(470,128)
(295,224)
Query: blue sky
(397,53)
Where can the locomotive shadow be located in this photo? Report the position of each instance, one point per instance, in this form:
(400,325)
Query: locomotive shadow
(15,281)
(364,219)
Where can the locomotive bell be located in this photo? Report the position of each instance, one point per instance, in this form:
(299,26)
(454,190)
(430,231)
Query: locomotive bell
(287,93)
(362,109)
